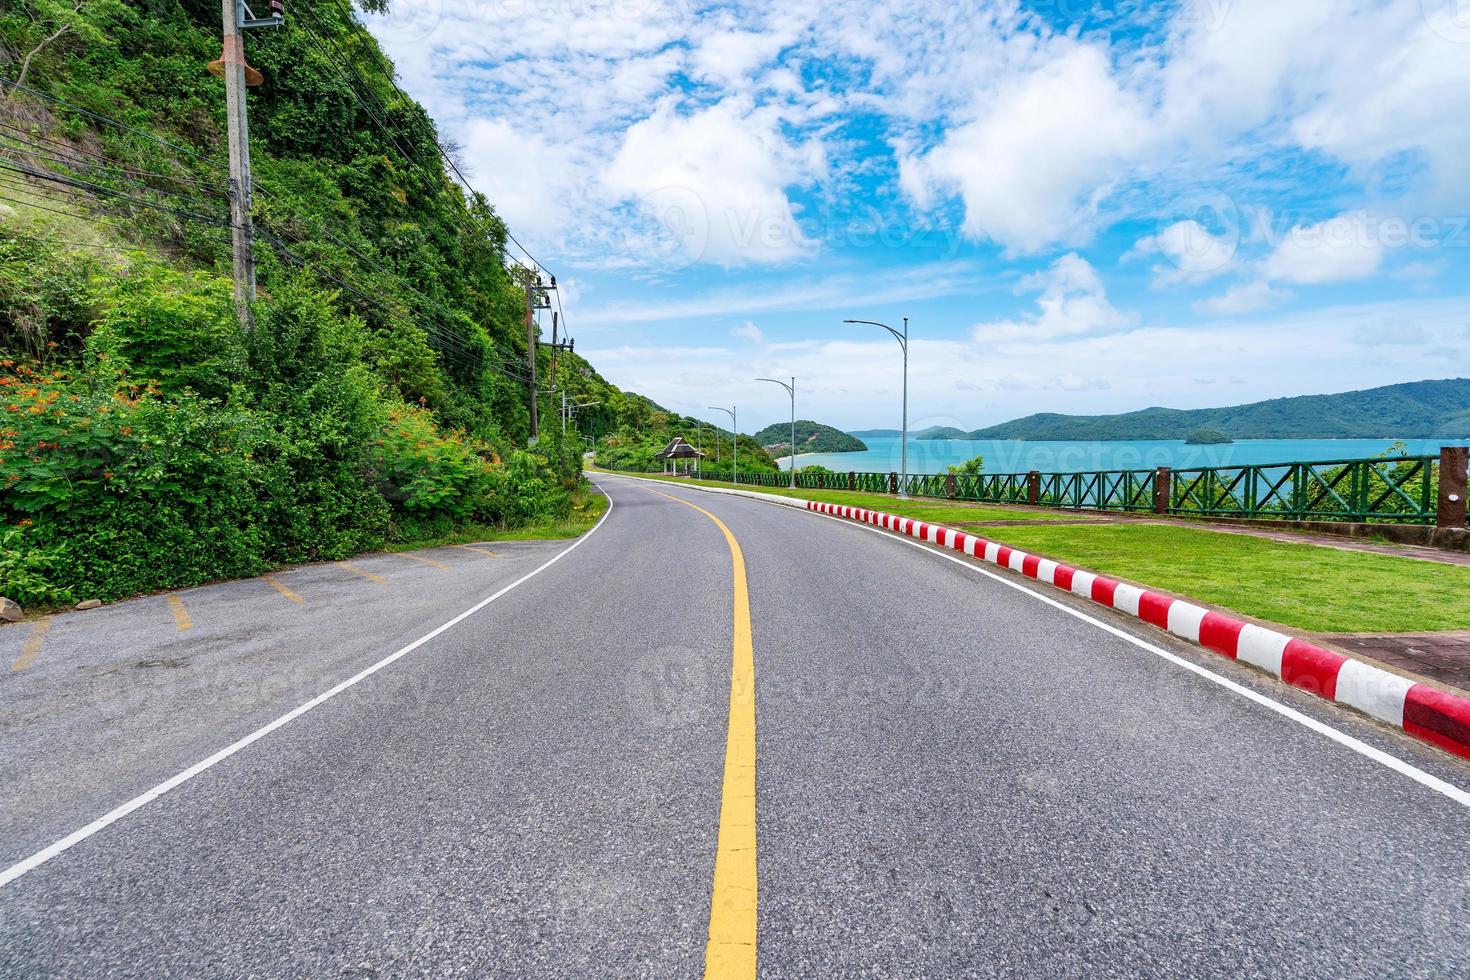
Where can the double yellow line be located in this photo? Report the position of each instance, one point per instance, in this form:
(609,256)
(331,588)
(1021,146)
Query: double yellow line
(730,951)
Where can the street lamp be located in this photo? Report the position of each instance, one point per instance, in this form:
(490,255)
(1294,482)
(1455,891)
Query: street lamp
(903,341)
(790,390)
(734,440)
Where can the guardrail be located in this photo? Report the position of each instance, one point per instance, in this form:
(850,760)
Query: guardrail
(1402,490)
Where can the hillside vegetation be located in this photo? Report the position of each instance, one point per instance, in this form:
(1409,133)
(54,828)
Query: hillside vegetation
(811,437)
(1416,410)
(645,428)
(146,442)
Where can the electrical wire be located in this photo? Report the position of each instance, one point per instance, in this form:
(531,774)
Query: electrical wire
(385,71)
(447,341)
(58,100)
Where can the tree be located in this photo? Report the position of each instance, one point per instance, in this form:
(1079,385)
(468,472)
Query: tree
(76,18)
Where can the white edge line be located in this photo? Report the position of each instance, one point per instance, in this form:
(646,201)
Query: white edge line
(39,858)
(1455,793)
(1440,786)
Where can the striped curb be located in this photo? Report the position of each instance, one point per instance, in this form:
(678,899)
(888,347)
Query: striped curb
(1425,712)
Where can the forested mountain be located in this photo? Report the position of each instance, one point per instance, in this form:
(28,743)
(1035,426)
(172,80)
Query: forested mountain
(931,432)
(1416,410)
(146,440)
(811,437)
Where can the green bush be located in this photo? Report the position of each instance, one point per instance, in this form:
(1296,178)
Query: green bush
(26,572)
(177,329)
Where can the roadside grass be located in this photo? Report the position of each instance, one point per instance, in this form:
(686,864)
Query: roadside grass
(587,509)
(1307,587)
(920,508)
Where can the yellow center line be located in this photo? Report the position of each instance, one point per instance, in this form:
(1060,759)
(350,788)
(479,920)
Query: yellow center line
(730,951)
(479,551)
(32,645)
(181,615)
(425,561)
(364,573)
(276,584)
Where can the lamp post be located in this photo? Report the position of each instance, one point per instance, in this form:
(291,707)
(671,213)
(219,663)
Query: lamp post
(790,390)
(734,440)
(903,341)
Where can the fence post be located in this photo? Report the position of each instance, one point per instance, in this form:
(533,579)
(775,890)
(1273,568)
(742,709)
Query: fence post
(851,480)
(1163,477)
(1033,487)
(821,481)
(893,483)
(949,486)
(1452,463)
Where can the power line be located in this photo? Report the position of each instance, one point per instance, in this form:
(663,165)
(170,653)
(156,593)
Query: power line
(29,155)
(109,122)
(385,70)
(40,141)
(448,342)
(109,192)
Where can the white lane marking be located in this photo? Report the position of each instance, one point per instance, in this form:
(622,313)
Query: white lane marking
(1258,646)
(1398,765)
(113,816)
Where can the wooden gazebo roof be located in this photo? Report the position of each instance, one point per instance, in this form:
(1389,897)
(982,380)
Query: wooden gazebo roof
(679,449)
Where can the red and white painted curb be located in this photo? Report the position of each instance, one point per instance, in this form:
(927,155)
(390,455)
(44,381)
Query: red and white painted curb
(1423,711)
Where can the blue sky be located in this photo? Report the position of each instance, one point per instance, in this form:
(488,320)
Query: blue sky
(1082,207)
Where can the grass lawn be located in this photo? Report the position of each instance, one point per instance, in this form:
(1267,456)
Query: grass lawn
(1300,585)
(587,509)
(1303,586)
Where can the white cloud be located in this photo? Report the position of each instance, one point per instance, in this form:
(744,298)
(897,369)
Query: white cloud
(855,382)
(749,331)
(1193,252)
(1043,137)
(1391,333)
(1339,249)
(1032,162)
(1249,297)
(715,180)
(1073,301)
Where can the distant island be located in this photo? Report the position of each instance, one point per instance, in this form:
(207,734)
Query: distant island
(811,437)
(1415,410)
(932,432)
(1208,437)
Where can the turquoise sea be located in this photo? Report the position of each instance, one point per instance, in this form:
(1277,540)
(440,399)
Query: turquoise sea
(1017,456)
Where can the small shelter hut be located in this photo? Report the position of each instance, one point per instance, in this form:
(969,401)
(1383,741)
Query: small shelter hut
(677,450)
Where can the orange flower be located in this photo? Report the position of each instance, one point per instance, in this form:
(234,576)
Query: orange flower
(25,523)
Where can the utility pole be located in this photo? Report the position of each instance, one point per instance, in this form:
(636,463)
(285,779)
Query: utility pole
(531,350)
(537,299)
(238,76)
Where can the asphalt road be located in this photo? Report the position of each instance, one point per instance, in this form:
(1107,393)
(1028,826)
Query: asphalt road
(953,776)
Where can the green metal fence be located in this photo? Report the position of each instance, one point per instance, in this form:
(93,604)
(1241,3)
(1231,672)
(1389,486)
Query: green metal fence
(1397,489)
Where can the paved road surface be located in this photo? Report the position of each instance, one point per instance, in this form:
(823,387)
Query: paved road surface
(953,777)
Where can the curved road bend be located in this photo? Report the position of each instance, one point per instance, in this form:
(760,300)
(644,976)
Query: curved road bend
(953,778)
